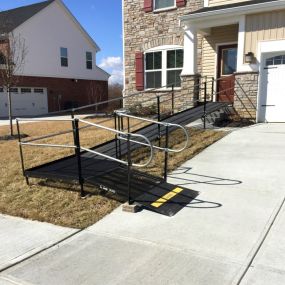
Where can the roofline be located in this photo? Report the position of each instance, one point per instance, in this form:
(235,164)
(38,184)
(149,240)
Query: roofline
(78,24)
(59,2)
(243,10)
(108,74)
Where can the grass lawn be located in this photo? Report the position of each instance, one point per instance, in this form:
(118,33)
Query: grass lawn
(59,203)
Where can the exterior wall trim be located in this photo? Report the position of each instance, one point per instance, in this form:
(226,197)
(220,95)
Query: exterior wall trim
(265,47)
(237,11)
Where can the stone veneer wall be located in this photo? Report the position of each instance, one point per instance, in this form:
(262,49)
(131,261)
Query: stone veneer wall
(143,31)
(185,98)
(246,90)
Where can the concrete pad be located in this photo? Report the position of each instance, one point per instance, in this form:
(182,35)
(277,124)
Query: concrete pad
(21,238)
(93,259)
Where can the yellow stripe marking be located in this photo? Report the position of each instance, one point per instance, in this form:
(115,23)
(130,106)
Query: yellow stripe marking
(166,197)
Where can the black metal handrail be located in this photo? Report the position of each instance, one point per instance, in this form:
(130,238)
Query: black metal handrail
(77,147)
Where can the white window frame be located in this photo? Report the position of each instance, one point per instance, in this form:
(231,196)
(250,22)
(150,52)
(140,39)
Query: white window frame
(164,68)
(163,9)
(88,60)
(64,57)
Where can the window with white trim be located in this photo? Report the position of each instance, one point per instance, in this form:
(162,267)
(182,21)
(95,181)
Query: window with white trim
(64,57)
(164,4)
(163,67)
(89,60)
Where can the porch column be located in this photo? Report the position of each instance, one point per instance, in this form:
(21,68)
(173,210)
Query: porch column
(190,51)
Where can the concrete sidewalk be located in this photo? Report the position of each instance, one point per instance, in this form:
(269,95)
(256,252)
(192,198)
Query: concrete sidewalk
(223,237)
(20,239)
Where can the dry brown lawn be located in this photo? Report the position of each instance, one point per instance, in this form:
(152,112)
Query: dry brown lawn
(59,203)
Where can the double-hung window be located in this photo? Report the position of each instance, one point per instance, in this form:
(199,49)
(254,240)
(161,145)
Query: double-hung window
(164,4)
(89,60)
(163,67)
(153,69)
(64,56)
(174,67)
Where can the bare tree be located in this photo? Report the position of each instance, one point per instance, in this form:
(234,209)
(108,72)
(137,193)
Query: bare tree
(95,93)
(13,52)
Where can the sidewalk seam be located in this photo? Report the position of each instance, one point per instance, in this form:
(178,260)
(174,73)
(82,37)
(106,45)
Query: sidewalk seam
(41,250)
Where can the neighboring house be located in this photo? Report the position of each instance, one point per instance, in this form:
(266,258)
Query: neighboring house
(60,68)
(240,43)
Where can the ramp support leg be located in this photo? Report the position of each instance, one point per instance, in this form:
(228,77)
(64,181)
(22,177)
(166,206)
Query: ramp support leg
(78,155)
(129,170)
(205,102)
(158,119)
(166,153)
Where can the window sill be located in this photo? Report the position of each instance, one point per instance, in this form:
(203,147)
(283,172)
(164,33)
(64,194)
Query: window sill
(162,90)
(155,11)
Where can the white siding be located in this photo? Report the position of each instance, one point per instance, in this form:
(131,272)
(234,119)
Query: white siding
(44,34)
(263,27)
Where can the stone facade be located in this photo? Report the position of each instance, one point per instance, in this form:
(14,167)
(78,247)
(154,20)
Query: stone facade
(186,97)
(143,31)
(246,90)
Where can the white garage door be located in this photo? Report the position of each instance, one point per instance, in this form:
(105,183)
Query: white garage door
(272,100)
(25,102)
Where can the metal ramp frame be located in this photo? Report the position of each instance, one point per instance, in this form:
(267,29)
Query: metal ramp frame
(104,167)
(112,173)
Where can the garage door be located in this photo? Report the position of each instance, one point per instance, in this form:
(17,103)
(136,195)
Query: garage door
(272,101)
(25,102)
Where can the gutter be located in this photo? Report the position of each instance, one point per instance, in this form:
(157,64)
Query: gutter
(236,11)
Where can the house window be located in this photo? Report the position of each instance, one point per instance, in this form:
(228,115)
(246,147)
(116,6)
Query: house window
(174,67)
(164,4)
(153,69)
(1,89)
(64,57)
(26,90)
(276,60)
(89,60)
(163,68)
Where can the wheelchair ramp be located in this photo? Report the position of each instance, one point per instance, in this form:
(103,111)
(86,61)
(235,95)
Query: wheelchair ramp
(147,190)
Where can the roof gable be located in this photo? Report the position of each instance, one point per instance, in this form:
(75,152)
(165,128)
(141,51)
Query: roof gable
(11,19)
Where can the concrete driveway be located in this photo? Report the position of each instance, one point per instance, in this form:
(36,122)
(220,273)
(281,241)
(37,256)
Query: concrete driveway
(233,233)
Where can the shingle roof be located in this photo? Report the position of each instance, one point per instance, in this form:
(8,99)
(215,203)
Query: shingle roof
(11,19)
(233,5)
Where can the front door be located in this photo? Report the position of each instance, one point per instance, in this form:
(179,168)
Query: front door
(227,63)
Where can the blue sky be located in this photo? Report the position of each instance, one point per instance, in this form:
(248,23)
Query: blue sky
(102,20)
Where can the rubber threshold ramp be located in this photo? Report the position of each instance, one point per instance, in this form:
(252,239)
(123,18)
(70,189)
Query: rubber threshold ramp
(166,198)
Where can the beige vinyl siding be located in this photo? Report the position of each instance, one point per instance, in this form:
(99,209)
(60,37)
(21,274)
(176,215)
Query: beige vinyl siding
(219,35)
(224,2)
(264,26)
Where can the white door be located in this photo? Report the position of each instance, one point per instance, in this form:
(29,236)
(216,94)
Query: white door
(272,101)
(26,101)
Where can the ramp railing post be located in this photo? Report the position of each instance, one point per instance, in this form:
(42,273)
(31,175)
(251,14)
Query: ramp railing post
(158,119)
(205,102)
(166,153)
(116,135)
(212,94)
(172,99)
(129,169)
(21,152)
(73,127)
(78,156)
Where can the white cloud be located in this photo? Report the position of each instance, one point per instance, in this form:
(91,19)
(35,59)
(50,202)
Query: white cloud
(113,65)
